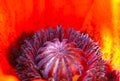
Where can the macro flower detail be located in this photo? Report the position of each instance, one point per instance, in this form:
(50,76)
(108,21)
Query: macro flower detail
(59,55)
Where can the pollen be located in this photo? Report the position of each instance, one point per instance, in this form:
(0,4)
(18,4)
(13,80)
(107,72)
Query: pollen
(62,55)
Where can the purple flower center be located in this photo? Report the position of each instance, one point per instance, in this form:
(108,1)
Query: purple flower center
(58,55)
(60,60)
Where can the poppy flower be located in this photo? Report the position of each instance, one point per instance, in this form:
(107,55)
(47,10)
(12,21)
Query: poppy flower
(22,20)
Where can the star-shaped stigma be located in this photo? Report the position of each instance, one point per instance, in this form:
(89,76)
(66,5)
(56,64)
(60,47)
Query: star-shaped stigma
(56,59)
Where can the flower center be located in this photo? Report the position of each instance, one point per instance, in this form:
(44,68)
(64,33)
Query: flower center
(56,55)
(57,47)
(60,60)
